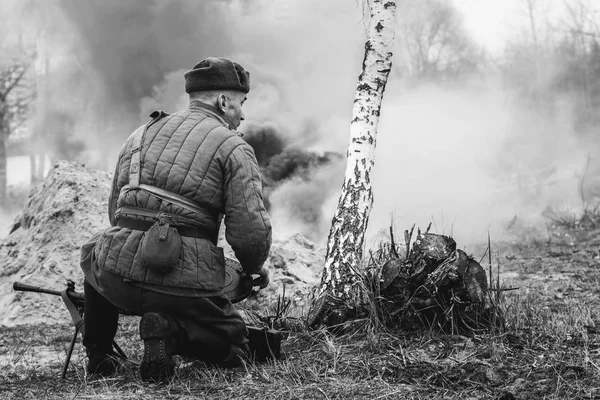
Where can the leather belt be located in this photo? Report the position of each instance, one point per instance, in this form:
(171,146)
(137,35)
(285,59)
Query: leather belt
(140,225)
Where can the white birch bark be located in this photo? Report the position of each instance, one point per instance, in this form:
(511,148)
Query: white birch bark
(346,237)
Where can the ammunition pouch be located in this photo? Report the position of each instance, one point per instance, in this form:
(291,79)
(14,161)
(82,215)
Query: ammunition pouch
(160,246)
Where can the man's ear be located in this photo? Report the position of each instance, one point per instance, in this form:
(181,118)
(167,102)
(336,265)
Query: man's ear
(222,103)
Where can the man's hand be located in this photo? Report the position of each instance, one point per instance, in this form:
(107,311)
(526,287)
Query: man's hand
(263,278)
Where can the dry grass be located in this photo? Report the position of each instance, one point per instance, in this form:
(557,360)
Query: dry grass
(550,349)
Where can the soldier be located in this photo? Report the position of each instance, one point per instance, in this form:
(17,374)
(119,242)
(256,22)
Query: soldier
(176,177)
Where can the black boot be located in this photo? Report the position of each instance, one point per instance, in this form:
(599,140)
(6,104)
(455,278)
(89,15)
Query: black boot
(158,332)
(102,364)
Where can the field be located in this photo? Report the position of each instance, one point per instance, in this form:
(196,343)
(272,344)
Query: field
(550,348)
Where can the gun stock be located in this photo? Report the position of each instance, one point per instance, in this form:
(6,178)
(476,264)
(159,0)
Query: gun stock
(23,287)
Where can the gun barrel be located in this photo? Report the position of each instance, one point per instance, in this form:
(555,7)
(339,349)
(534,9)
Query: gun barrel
(23,287)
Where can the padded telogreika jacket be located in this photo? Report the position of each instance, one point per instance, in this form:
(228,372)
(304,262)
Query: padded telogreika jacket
(191,153)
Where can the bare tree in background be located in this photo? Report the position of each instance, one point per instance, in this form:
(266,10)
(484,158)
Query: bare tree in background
(529,63)
(13,108)
(436,43)
(341,290)
(532,10)
(582,27)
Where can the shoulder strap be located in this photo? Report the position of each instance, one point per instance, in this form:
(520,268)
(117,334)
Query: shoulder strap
(134,171)
(136,149)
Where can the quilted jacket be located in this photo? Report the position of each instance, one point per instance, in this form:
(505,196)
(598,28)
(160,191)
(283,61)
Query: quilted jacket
(191,153)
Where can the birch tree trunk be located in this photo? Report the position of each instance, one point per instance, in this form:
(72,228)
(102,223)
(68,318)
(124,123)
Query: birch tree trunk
(341,291)
(3,162)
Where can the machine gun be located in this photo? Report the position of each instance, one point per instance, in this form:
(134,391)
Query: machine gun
(74,302)
(264,343)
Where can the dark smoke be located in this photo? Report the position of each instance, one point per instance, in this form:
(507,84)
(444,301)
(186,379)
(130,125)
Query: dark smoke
(284,165)
(133,44)
(279,161)
(266,141)
(295,162)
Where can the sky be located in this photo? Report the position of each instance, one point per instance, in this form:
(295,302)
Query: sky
(493,23)
(490,21)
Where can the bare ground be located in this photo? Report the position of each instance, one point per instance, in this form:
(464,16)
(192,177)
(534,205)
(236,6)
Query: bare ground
(550,349)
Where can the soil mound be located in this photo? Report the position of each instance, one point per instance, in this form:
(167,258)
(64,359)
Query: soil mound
(67,208)
(294,263)
(63,211)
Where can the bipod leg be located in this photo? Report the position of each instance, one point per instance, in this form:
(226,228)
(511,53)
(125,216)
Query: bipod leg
(119,351)
(69,353)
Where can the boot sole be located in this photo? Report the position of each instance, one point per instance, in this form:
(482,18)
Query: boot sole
(157,365)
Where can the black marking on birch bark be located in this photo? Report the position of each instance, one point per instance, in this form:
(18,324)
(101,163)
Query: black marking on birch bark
(389,4)
(363,87)
(357,118)
(367,46)
(371,140)
(379,27)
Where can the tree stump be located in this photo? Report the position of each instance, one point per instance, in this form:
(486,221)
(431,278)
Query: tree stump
(437,283)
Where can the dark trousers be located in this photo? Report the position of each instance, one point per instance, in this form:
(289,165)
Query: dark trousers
(208,328)
(100,322)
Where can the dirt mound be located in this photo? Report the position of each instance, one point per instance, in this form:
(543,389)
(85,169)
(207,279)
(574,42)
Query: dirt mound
(295,263)
(61,213)
(69,207)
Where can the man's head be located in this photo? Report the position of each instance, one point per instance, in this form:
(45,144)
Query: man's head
(228,104)
(222,84)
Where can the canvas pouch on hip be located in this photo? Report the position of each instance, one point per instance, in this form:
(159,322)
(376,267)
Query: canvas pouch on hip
(160,246)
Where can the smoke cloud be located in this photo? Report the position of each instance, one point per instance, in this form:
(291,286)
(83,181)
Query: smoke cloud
(469,160)
(266,140)
(468,157)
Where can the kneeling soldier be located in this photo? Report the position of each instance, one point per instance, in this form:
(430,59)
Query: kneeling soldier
(176,177)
